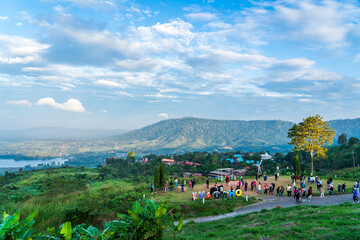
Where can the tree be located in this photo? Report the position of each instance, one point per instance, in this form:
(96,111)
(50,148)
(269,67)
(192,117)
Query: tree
(157,177)
(353,140)
(312,135)
(214,159)
(342,139)
(296,165)
(162,175)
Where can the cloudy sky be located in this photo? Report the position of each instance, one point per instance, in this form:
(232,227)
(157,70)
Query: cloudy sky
(125,64)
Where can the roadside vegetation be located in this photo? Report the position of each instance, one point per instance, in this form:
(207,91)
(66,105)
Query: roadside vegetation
(300,222)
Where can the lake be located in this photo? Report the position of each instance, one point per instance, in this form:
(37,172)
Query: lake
(8,163)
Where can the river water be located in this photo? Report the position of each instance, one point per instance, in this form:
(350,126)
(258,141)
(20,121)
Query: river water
(9,163)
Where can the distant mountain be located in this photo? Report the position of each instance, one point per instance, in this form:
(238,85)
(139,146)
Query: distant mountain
(171,136)
(49,133)
(186,134)
(349,126)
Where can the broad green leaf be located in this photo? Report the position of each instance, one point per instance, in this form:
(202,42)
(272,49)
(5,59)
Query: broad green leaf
(67,231)
(180,224)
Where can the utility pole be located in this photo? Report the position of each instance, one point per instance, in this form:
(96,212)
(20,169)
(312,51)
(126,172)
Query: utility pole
(353,157)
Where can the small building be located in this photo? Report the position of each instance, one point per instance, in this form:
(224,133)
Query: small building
(187,174)
(265,156)
(168,161)
(240,172)
(222,173)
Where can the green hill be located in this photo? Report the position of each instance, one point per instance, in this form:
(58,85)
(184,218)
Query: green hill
(205,134)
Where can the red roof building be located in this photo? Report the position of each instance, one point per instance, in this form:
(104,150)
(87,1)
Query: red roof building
(168,161)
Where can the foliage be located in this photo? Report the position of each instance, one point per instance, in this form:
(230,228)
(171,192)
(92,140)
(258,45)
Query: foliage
(301,222)
(12,228)
(162,175)
(311,135)
(342,139)
(296,165)
(148,222)
(157,183)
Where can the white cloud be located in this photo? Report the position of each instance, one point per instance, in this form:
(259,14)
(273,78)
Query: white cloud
(3,17)
(202,16)
(18,24)
(16,49)
(19,102)
(163,115)
(71,104)
(122,93)
(159,95)
(109,83)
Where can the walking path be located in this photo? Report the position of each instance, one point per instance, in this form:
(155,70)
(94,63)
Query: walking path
(273,202)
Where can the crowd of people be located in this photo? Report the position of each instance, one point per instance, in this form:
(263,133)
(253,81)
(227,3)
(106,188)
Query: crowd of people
(300,194)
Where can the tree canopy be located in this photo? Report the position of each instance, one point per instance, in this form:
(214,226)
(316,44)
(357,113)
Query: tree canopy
(342,138)
(312,135)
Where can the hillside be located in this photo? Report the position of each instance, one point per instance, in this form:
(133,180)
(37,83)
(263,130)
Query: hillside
(205,134)
(181,135)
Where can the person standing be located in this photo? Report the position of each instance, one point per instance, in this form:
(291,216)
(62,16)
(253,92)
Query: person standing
(207,183)
(194,182)
(355,194)
(256,176)
(246,185)
(190,183)
(171,186)
(322,192)
(309,196)
(339,188)
(278,191)
(151,188)
(281,191)
(182,187)
(343,187)
(259,188)
(176,182)
(266,188)
(276,176)
(288,189)
(252,186)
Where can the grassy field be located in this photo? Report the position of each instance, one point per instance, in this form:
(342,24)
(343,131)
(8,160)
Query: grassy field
(77,194)
(301,222)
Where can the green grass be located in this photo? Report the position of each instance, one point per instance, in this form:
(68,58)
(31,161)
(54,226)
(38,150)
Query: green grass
(300,222)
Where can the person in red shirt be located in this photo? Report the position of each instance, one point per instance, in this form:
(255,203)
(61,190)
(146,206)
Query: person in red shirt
(266,188)
(309,196)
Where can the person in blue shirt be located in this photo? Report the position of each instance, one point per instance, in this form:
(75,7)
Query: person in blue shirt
(355,195)
(151,188)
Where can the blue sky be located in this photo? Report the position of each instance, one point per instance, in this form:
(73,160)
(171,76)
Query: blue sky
(126,64)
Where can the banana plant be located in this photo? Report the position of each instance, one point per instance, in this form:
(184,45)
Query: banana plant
(12,228)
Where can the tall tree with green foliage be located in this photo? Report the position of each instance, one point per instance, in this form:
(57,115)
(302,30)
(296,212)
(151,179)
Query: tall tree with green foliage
(311,135)
(342,139)
(157,177)
(296,165)
(162,175)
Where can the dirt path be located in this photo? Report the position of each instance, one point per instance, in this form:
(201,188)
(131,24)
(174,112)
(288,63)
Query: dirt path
(273,202)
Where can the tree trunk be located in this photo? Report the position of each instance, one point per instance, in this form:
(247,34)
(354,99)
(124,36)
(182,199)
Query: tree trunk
(312,162)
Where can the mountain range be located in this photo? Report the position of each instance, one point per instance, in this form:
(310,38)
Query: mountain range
(181,135)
